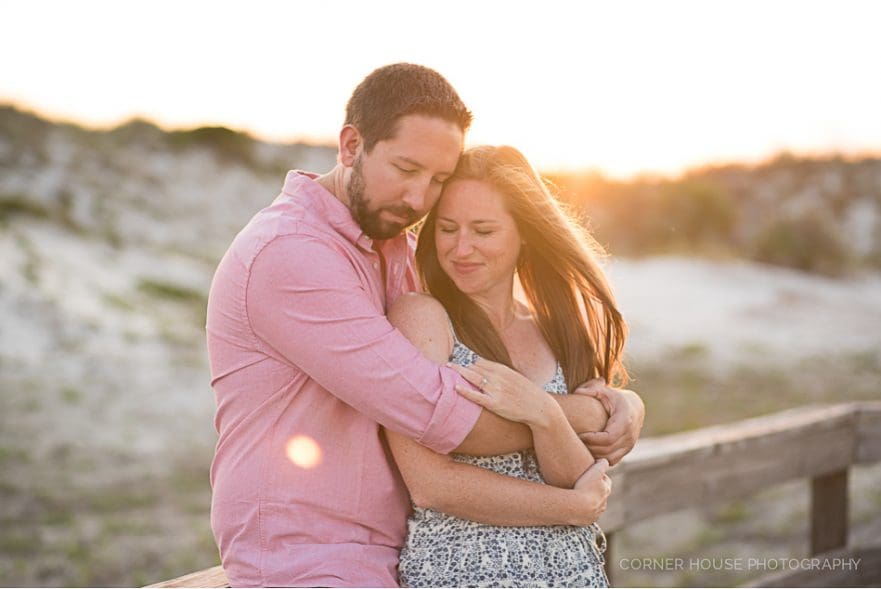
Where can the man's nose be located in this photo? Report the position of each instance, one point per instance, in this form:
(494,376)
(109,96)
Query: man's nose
(418,195)
(415,200)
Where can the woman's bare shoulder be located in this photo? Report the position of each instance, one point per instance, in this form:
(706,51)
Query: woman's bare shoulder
(424,321)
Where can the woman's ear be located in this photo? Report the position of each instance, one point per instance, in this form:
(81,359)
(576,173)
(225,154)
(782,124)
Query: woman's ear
(351,144)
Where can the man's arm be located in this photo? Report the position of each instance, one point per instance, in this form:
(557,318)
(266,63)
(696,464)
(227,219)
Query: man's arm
(423,320)
(493,435)
(308,306)
(469,492)
(562,456)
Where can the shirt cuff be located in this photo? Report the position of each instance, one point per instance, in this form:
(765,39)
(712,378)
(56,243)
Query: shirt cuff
(453,418)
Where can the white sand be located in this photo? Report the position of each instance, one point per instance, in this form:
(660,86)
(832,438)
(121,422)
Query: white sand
(739,309)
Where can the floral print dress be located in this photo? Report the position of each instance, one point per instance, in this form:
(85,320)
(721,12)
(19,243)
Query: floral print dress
(445,551)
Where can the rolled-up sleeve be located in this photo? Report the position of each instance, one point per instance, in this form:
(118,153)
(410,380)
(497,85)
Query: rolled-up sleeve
(307,304)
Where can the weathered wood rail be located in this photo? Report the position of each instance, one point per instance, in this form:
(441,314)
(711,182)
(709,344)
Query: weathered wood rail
(719,463)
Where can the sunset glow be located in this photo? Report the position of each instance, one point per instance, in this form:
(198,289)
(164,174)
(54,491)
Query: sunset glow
(620,87)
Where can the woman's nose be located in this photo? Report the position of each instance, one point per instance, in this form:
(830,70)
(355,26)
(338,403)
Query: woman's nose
(463,245)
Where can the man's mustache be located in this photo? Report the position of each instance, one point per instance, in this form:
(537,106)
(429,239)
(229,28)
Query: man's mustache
(403,211)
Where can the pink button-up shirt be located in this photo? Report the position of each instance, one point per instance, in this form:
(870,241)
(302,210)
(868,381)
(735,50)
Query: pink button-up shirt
(300,348)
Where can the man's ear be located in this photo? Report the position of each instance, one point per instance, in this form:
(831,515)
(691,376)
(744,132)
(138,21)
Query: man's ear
(351,144)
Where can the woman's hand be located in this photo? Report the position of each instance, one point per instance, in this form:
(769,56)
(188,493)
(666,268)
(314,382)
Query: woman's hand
(593,489)
(507,393)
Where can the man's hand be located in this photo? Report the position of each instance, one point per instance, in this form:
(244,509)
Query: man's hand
(626,417)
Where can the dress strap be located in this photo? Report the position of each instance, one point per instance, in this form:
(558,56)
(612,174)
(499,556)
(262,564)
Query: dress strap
(453,331)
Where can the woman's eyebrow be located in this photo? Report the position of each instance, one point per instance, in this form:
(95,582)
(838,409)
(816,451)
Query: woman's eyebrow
(472,222)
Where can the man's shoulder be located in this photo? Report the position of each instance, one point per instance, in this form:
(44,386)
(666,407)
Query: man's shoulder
(285,224)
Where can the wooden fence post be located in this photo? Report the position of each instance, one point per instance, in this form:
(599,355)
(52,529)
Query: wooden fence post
(829,512)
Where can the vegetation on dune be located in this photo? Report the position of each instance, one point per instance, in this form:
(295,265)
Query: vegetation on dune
(797,212)
(789,211)
(228,145)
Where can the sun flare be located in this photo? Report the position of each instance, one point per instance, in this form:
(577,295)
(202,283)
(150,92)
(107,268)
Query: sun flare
(303,451)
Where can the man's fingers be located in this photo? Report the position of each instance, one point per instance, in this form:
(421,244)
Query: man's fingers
(598,439)
(616,456)
(618,425)
(598,391)
(613,456)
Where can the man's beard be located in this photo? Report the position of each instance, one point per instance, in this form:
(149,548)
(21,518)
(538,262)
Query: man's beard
(369,220)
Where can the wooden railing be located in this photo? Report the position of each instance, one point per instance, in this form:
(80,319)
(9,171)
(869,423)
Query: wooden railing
(705,466)
(725,462)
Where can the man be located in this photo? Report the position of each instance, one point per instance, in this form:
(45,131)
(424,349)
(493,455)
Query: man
(306,367)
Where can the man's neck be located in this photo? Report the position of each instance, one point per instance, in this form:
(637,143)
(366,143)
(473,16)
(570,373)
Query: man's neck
(334,184)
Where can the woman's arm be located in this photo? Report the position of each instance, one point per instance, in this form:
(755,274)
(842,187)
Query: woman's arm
(477,494)
(562,456)
(469,492)
(423,321)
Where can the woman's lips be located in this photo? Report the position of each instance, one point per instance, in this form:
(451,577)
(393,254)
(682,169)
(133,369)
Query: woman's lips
(465,267)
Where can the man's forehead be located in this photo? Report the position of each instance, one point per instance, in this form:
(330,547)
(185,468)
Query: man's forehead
(426,142)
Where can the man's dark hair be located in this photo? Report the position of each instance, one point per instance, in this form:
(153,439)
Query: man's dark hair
(401,89)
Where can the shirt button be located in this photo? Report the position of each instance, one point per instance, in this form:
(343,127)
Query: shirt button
(375,265)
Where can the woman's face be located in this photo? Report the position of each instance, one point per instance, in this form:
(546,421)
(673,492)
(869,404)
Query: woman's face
(476,238)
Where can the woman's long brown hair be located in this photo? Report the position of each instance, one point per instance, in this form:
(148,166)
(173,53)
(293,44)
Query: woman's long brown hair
(565,287)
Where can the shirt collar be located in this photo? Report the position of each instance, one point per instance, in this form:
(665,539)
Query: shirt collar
(303,185)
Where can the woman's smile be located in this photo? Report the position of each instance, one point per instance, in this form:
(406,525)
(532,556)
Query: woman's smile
(465,267)
(476,238)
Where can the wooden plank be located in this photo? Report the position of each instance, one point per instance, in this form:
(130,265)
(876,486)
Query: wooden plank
(213,577)
(729,461)
(829,512)
(857,567)
(868,448)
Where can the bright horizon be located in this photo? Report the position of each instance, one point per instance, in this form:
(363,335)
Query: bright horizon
(628,88)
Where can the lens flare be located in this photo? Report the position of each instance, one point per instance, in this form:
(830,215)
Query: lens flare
(303,451)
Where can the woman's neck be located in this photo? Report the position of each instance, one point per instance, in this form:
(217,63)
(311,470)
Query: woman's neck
(500,306)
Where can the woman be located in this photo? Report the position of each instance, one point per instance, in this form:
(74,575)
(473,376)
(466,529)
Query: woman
(496,218)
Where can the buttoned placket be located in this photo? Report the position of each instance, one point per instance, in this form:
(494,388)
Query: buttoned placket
(368,245)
